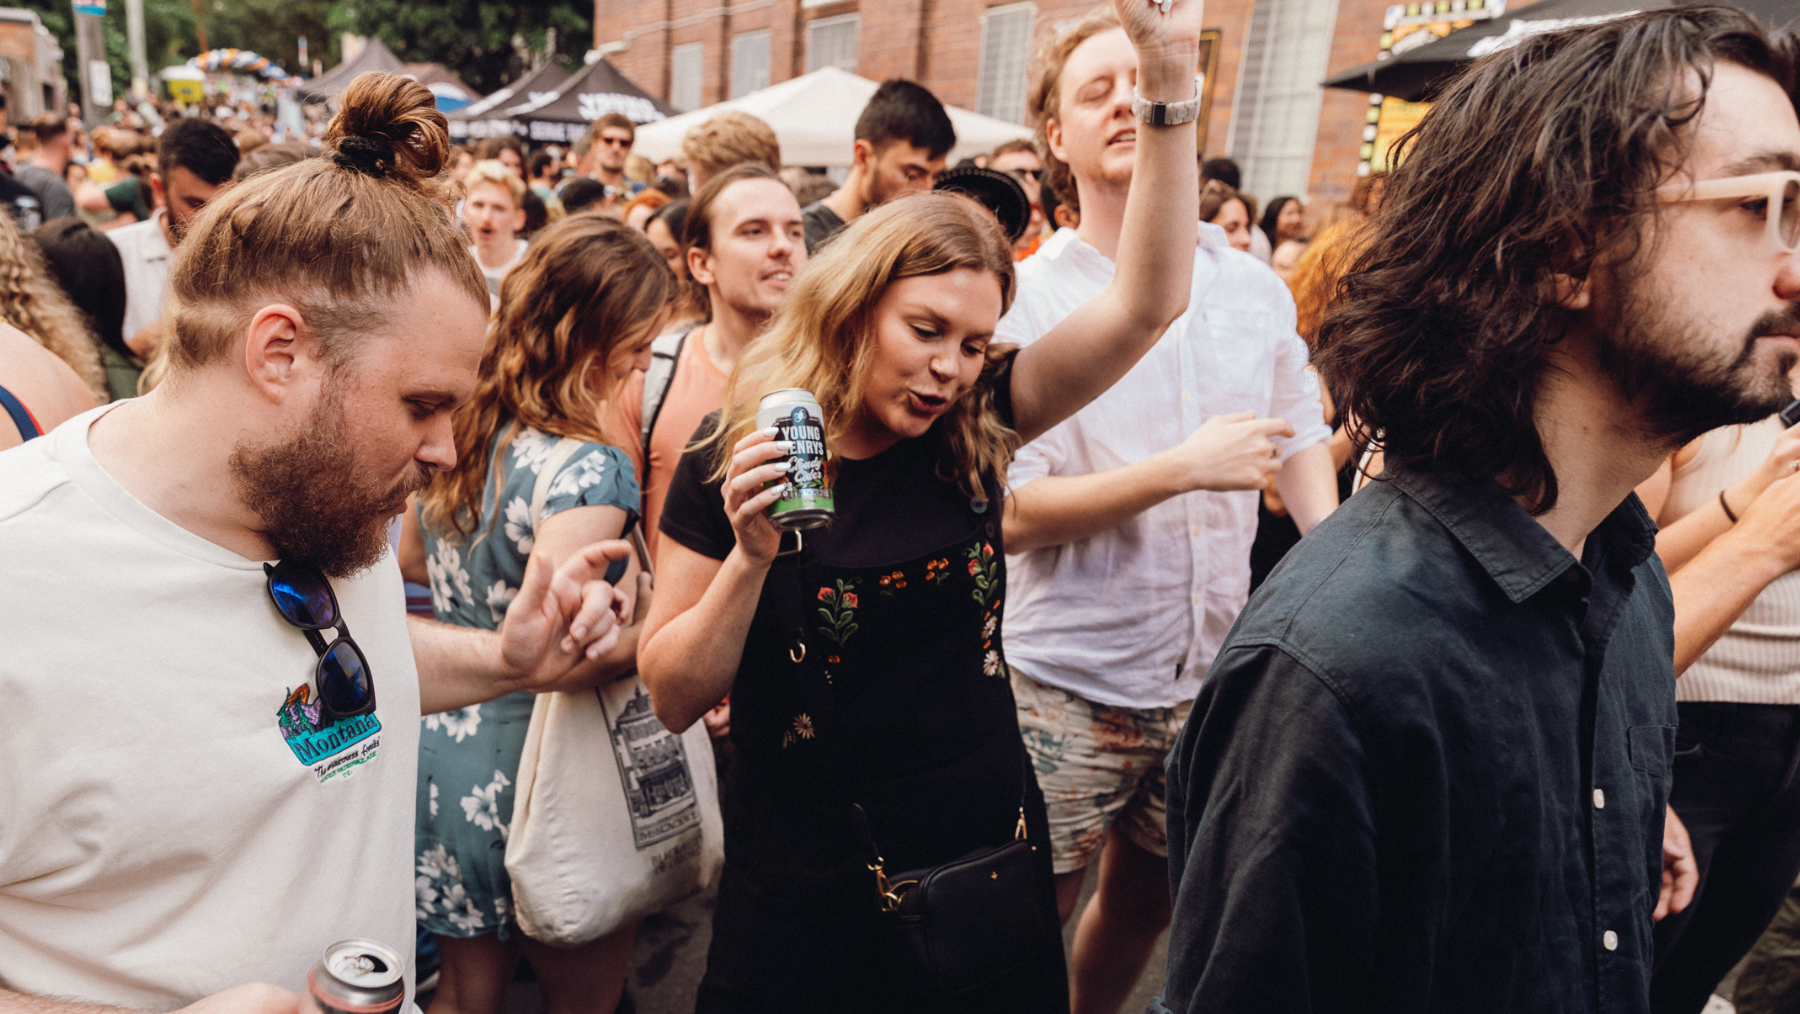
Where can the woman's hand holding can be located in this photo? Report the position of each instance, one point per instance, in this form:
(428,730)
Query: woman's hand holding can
(753,483)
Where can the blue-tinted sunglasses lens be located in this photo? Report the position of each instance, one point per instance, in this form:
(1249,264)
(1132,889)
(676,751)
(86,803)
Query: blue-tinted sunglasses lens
(344,679)
(302,596)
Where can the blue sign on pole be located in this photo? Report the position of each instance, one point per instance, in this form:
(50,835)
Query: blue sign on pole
(97,8)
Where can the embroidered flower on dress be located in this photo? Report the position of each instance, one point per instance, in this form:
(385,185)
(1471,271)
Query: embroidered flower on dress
(990,664)
(518,525)
(987,629)
(849,600)
(827,594)
(801,728)
(459,724)
(483,808)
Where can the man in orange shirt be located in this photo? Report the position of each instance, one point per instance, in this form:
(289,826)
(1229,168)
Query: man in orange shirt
(744,242)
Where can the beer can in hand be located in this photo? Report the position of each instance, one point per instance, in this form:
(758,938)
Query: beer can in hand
(806,501)
(356,977)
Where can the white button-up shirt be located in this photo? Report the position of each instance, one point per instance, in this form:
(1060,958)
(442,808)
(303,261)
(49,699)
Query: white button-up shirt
(144,250)
(1133,617)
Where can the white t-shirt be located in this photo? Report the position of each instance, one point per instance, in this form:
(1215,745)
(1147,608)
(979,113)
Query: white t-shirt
(493,275)
(1132,617)
(145,252)
(160,837)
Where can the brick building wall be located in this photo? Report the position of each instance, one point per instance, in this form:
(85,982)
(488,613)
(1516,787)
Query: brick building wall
(938,43)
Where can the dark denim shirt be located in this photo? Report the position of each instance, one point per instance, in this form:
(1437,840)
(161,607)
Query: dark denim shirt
(1427,771)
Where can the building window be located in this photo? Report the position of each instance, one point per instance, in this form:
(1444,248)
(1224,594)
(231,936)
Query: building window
(1005,56)
(686,67)
(1275,116)
(831,42)
(749,63)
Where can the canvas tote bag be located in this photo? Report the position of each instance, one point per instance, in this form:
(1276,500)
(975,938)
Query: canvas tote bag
(615,817)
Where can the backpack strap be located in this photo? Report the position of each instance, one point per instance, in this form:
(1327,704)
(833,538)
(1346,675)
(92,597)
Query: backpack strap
(665,354)
(21,416)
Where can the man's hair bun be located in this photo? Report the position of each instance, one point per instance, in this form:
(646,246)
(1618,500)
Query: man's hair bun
(390,126)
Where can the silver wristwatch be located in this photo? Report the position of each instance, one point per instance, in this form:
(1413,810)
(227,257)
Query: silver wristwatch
(1165,114)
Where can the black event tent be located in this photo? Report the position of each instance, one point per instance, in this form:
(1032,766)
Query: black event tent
(1415,74)
(586,96)
(488,117)
(332,83)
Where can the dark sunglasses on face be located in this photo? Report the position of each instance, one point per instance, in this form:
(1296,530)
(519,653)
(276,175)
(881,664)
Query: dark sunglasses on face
(305,600)
(1033,173)
(615,142)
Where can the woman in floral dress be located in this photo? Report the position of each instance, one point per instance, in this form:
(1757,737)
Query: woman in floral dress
(865,664)
(576,316)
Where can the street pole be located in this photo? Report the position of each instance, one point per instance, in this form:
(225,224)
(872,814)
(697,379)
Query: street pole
(140,62)
(90,55)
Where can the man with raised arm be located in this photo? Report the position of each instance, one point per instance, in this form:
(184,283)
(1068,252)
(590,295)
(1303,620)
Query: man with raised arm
(1132,520)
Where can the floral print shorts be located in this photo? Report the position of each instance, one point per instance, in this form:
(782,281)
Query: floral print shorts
(1097,763)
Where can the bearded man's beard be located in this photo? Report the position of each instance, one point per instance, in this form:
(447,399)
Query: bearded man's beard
(1686,389)
(313,504)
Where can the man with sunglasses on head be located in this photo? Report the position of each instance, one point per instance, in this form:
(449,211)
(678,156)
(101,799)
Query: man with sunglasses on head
(1429,766)
(211,692)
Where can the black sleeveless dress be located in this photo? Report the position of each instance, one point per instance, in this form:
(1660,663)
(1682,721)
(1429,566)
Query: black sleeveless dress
(901,702)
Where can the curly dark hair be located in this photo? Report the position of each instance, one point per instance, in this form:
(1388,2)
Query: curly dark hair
(1541,159)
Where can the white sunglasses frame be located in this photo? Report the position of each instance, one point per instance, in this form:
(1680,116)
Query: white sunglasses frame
(1771,186)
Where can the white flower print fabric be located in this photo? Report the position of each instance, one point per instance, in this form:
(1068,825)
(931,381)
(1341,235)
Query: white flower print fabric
(469,758)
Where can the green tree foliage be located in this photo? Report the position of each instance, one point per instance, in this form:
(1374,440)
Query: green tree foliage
(270,28)
(473,39)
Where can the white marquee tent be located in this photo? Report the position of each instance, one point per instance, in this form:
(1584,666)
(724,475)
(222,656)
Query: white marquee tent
(814,117)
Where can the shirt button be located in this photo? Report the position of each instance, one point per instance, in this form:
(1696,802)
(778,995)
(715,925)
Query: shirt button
(1609,940)
(1196,533)
(1599,799)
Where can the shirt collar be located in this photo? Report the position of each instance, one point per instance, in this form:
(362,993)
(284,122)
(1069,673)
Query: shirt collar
(1067,242)
(1517,552)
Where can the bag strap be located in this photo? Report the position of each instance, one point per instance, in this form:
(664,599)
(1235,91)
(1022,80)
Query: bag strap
(665,355)
(21,416)
(559,456)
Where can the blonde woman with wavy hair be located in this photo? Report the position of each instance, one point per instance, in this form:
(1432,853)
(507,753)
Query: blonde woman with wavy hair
(576,317)
(32,301)
(865,662)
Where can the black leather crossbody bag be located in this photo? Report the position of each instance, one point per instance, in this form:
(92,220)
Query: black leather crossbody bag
(965,923)
(956,926)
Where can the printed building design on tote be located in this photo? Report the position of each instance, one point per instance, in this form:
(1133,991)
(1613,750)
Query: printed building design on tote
(652,764)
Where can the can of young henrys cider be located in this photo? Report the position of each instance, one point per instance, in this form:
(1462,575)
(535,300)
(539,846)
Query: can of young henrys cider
(356,977)
(807,501)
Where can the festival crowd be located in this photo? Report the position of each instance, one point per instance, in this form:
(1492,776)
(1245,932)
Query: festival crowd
(1394,602)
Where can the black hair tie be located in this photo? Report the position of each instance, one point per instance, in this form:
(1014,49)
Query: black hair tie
(368,155)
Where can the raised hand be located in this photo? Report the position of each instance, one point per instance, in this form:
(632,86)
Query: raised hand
(755,461)
(1235,451)
(1163,38)
(563,616)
